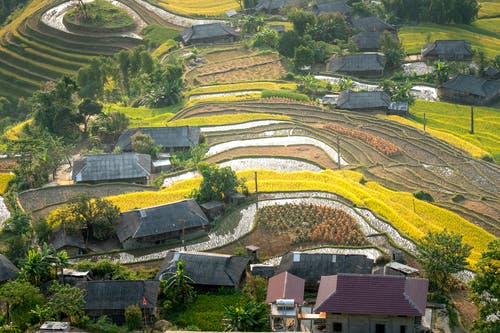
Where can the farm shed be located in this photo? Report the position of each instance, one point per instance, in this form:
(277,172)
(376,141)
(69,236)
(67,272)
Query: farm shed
(372,303)
(101,168)
(112,297)
(364,101)
(207,270)
(470,89)
(170,139)
(360,64)
(372,24)
(209,33)
(311,266)
(8,271)
(270,6)
(331,6)
(71,242)
(448,50)
(157,225)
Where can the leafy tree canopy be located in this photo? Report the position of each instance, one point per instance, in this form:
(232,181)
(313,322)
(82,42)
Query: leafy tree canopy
(217,184)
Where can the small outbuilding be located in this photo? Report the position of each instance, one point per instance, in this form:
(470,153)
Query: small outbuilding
(170,139)
(448,50)
(207,270)
(470,90)
(364,101)
(8,271)
(156,225)
(360,64)
(112,297)
(104,168)
(209,33)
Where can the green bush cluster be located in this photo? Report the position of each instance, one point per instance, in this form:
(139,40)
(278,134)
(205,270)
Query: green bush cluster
(421,195)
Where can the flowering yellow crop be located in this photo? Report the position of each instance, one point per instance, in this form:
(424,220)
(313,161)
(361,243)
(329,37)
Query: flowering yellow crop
(164,48)
(225,119)
(14,133)
(4,181)
(199,8)
(392,206)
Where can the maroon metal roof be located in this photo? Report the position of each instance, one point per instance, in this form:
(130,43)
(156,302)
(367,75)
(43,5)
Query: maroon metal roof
(372,294)
(285,286)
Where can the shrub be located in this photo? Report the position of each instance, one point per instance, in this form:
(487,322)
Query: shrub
(421,195)
(285,94)
(256,288)
(457,198)
(133,317)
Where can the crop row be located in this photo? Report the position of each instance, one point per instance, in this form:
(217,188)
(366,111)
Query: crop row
(225,119)
(386,147)
(199,8)
(220,88)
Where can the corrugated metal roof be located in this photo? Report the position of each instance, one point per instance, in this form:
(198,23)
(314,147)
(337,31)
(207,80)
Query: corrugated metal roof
(285,286)
(372,295)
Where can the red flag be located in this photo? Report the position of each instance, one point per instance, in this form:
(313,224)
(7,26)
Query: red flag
(144,301)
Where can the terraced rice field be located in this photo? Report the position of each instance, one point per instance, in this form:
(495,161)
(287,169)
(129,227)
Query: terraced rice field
(32,52)
(198,8)
(489,8)
(414,37)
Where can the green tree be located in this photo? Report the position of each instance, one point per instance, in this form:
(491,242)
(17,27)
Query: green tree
(42,264)
(217,184)
(90,79)
(442,254)
(178,286)
(485,289)
(288,41)
(392,49)
(256,288)
(109,126)
(66,300)
(329,27)
(20,298)
(248,317)
(133,317)
(301,20)
(266,38)
(303,56)
(144,144)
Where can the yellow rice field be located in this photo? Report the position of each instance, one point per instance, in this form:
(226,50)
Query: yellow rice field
(199,7)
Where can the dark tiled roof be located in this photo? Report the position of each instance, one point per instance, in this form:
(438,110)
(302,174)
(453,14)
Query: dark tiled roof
(311,266)
(350,100)
(372,295)
(492,72)
(166,137)
(63,238)
(335,6)
(208,269)
(266,271)
(372,24)
(207,31)
(7,269)
(162,219)
(118,295)
(270,5)
(367,40)
(285,286)
(103,167)
(359,62)
(473,85)
(444,48)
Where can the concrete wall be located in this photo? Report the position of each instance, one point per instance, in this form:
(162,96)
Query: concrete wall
(368,323)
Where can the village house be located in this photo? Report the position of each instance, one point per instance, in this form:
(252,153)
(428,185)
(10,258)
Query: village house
(209,33)
(104,168)
(369,41)
(207,270)
(112,297)
(285,294)
(311,266)
(70,241)
(360,64)
(396,268)
(364,101)
(372,24)
(470,90)
(372,303)
(270,6)
(492,73)
(156,225)
(170,139)
(8,271)
(448,50)
(331,6)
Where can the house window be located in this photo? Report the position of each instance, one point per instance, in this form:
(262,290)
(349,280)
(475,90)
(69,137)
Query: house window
(337,327)
(402,329)
(379,328)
